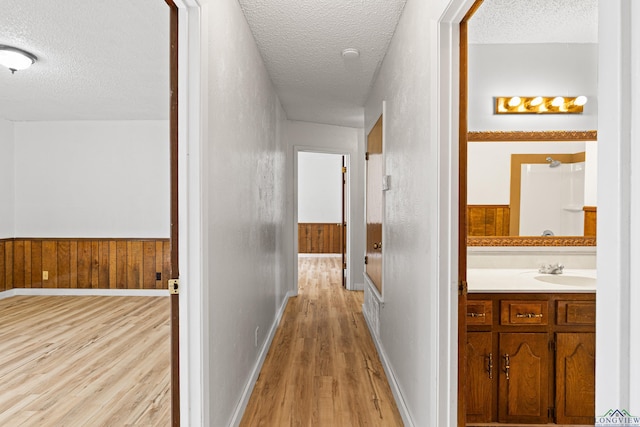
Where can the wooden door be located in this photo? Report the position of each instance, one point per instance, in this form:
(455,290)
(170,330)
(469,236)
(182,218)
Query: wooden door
(373,265)
(173,130)
(523,391)
(479,378)
(343,226)
(575,378)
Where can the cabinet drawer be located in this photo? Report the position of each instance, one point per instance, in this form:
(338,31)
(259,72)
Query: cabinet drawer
(576,313)
(479,312)
(514,312)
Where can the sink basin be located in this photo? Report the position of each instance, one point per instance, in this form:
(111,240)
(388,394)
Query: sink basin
(566,279)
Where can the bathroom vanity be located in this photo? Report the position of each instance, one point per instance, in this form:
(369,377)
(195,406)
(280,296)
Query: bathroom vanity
(530,347)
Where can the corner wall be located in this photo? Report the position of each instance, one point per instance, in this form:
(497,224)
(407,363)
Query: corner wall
(7,180)
(244,204)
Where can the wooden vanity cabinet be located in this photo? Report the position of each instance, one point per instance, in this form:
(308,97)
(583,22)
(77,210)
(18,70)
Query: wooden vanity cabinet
(530,358)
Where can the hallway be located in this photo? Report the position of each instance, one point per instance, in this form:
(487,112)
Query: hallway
(322,368)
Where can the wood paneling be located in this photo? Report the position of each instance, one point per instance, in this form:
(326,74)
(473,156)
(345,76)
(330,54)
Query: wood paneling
(590,220)
(488,220)
(319,238)
(84,263)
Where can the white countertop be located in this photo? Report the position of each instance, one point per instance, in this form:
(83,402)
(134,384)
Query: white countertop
(529,280)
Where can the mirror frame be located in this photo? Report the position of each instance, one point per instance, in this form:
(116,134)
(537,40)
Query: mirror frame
(532,136)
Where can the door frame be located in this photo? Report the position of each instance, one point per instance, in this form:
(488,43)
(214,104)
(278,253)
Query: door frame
(347,207)
(192,329)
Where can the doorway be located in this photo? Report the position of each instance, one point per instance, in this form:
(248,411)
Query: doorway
(321,207)
(468,346)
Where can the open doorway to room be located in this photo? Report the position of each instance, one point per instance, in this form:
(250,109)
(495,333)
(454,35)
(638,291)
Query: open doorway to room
(322,217)
(521,344)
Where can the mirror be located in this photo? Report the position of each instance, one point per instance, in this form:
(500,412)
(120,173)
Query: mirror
(531,188)
(530,57)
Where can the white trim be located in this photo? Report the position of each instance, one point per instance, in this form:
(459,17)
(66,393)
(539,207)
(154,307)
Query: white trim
(257,367)
(84,292)
(194,406)
(407,419)
(445,114)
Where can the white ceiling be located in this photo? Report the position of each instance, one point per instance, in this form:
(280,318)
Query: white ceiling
(108,60)
(97,60)
(535,21)
(302,42)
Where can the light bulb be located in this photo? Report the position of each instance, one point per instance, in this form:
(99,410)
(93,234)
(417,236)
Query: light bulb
(581,100)
(536,101)
(514,101)
(558,101)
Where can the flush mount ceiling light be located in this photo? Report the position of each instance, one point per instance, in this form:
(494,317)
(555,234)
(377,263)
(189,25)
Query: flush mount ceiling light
(539,104)
(15,59)
(350,53)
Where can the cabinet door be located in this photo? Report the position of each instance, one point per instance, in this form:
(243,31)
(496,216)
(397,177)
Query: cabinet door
(575,378)
(479,377)
(523,395)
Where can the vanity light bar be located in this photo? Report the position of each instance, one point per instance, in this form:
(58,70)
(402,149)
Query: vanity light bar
(539,104)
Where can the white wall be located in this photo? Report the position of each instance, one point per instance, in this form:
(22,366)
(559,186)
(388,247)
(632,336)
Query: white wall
(92,179)
(7,180)
(244,203)
(303,136)
(563,69)
(319,188)
(408,330)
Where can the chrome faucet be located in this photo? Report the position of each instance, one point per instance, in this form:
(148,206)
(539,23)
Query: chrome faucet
(556,268)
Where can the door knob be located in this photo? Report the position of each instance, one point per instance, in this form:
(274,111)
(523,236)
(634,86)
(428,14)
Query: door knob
(377,245)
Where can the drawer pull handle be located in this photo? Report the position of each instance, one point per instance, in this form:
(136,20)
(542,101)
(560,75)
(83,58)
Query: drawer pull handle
(507,365)
(476,315)
(528,315)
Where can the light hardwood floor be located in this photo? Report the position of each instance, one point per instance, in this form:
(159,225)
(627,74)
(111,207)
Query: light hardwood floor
(84,361)
(322,368)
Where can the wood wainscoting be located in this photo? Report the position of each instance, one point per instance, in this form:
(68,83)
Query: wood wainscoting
(590,220)
(84,263)
(319,238)
(488,220)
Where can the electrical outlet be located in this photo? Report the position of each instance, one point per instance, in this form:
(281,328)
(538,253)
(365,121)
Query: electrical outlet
(256,336)
(45,275)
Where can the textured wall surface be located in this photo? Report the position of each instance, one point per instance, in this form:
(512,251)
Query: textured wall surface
(407,329)
(243,205)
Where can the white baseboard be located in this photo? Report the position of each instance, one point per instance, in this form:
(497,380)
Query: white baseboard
(391,377)
(84,292)
(251,382)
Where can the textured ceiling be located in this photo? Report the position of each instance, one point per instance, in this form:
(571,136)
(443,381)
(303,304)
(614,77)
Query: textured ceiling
(535,21)
(108,60)
(97,60)
(301,42)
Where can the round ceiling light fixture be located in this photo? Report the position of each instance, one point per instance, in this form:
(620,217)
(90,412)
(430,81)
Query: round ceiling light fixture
(16,59)
(350,53)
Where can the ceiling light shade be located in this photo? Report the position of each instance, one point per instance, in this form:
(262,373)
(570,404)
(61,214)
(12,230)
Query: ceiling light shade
(558,101)
(15,59)
(536,101)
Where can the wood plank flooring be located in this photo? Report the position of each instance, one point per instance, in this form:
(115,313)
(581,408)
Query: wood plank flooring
(84,361)
(322,368)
